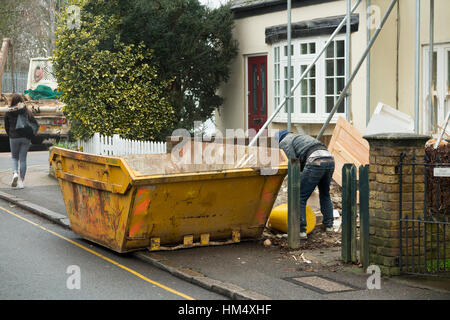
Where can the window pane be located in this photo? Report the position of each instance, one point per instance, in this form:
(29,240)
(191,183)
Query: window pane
(340,82)
(341,108)
(304,88)
(285,50)
(330,85)
(340,48)
(312,87)
(286,72)
(330,104)
(340,65)
(330,50)
(304,48)
(330,67)
(285,94)
(312,73)
(312,105)
(304,105)
(286,86)
(312,48)
(302,69)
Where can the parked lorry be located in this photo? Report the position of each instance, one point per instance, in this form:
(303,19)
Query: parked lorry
(48,112)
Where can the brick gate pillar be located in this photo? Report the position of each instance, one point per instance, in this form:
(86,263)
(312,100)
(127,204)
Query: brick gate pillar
(385,151)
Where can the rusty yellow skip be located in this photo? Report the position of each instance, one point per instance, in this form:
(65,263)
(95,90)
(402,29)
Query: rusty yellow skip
(145,201)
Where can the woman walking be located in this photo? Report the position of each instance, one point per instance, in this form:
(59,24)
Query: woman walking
(18,142)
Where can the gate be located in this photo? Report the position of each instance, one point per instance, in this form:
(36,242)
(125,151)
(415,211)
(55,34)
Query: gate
(424,210)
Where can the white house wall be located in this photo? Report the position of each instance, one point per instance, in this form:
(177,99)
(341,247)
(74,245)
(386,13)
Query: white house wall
(250,32)
(392,59)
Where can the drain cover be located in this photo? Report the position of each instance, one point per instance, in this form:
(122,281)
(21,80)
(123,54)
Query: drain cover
(321,284)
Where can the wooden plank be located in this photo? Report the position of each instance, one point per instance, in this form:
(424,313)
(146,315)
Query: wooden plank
(347,146)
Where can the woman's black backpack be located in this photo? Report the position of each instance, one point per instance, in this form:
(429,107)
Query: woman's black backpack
(25,126)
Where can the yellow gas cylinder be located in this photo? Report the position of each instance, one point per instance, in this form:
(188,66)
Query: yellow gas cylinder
(278,219)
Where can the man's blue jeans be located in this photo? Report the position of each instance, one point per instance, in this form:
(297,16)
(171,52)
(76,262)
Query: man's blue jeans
(317,175)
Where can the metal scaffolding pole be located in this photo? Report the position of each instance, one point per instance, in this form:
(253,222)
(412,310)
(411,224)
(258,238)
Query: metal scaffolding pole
(294,170)
(307,70)
(347,57)
(358,66)
(430,75)
(368,35)
(288,96)
(417,70)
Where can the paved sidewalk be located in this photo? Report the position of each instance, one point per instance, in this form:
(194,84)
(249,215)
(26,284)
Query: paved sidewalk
(248,270)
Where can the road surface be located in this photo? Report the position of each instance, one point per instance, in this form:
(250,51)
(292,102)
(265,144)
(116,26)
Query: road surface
(40,260)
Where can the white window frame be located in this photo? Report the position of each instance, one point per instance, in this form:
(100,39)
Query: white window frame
(442,90)
(297,60)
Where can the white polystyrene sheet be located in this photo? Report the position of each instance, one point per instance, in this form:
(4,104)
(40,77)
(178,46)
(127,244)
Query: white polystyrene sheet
(386,119)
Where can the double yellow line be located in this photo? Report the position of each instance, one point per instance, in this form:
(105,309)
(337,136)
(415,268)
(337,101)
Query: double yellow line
(137,274)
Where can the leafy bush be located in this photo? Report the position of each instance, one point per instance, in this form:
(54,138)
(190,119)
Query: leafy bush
(67,145)
(107,86)
(193,48)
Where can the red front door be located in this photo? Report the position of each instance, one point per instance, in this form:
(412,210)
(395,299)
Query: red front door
(257,92)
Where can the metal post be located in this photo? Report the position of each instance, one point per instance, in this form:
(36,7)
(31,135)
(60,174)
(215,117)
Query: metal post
(430,71)
(294,203)
(308,69)
(294,166)
(358,66)
(368,3)
(417,70)
(363,187)
(348,242)
(347,57)
(288,97)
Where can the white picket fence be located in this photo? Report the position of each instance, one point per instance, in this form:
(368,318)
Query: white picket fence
(116,146)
